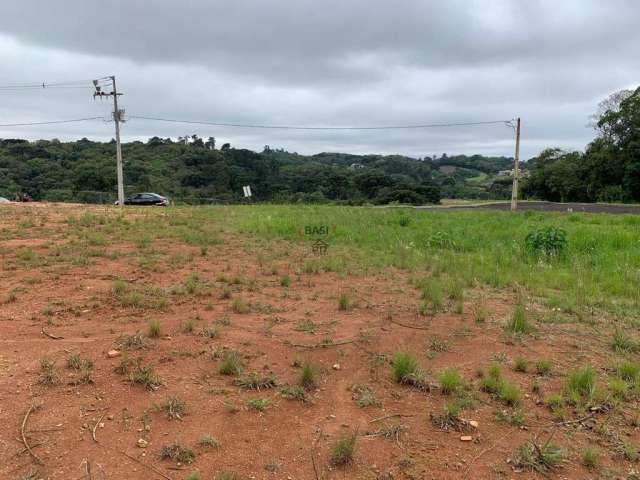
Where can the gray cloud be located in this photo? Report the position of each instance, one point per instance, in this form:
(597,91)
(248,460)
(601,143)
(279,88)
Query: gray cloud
(326,63)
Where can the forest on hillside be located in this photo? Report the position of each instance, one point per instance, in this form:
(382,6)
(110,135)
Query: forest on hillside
(193,170)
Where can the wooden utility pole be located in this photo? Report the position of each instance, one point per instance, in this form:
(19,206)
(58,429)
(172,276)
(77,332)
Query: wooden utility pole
(117,118)
(516,170)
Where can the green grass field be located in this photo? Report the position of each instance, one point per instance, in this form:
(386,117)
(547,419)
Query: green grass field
(599,272)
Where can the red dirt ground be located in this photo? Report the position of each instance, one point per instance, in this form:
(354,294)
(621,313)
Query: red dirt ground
(77,303)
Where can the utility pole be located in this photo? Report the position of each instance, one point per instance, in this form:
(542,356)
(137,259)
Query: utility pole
(117,118)
(516,170)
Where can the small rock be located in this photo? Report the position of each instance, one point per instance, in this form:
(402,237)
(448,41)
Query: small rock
(466,438)
(142,443)
(473,423)
(109,417)
(113,353)
(336,366)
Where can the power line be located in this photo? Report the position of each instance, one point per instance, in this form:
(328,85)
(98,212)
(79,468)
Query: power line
(45,84)
(50,122)
(294,127)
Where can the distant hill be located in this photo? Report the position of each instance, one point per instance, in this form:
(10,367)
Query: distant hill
(194,170)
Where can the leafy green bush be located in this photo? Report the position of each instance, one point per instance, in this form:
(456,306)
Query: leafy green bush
(549,241)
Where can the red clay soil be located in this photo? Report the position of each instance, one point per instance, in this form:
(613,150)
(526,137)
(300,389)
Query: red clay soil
(76,309)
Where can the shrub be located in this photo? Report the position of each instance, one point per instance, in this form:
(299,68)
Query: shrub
(209,441)
(343,450)
(450,381)
(520,364)
(308,377)
(629,371)
(231,363)
(543,367)
(622,342)
(540,459)
(178,453)
(285,281)
(344,302)
(549,241)
(48,372)
(240,306)
(581,385)
(253,381)
(174,408)
(519,322)
(155,328)
(259,404)
(404,365)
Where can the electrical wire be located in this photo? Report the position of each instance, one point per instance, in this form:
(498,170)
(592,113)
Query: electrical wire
(294,127)
(50,122)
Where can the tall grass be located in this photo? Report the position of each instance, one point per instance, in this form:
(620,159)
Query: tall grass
(599,268)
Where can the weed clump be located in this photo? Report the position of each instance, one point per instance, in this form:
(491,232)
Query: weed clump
(178,453)
(174,408)
(258,404)
(155,328)
(407,371)
(209,441)
(450,381)
(550,242)
(494,383)
(581,387)
(543,367)
(519,324)
(308,377)
(623,343)
(344,449)
(253,381)
(48,372)
(543,459)
(231,364)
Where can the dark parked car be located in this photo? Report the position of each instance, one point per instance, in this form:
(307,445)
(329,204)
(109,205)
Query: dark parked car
(146,199)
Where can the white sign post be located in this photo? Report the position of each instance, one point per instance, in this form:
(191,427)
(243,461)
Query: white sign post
(247,191)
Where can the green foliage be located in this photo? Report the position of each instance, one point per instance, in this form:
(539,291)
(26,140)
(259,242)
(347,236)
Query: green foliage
(344,302)
(519,323)
(520,364)
(253,381)
(48,372)
(308,377)
(549,241)
(622,342)
(178,453)
(344,449)
(544,366)
(174,408)
(609,169)
(581,386)
(450,381)
(231,363)
(259,404)
(83,171)
(404,366)
(209,441)
(155,328)
(541,459)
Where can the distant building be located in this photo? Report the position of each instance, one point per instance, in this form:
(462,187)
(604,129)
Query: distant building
(509,173)
(356,166)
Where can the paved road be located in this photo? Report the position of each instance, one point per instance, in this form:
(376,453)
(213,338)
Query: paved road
(548,207)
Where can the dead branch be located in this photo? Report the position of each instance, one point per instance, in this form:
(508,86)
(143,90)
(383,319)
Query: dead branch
(393,415)
(414,327)
(93,431)
(47,334)
(322,344)
(24,437)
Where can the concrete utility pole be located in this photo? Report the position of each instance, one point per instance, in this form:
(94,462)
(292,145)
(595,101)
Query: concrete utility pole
(117,118)
(516,170)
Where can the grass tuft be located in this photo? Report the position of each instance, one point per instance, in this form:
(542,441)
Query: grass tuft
(344,449)
(231,364)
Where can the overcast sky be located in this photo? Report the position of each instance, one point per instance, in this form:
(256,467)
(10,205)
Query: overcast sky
(323,63)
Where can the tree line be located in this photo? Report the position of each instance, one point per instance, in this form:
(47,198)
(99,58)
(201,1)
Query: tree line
(609,168)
